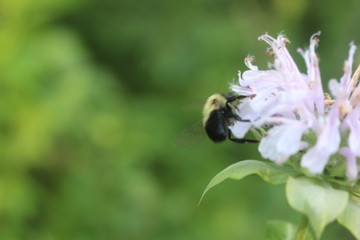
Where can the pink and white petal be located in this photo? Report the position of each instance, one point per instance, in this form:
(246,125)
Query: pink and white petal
(293,97)
(239,129)
(335,87)
(267,146)
(248,62)
(260,81)
(352,121)
(244,82)
(284,63)
(303,145)
(354,139)
(272,115)
(290,142)
(245,111)
(241,91)
(327,144)
(318,92)
(306,115)
(261,102)
(329,137)
(346,78)
(313,72)
(355,96)
(315,160)
(282,141)
(351,167)
(305,55)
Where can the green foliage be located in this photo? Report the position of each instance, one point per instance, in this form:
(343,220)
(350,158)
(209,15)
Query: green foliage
(350,218)
(268,171)
(280,230)
(319,201)
(94,93)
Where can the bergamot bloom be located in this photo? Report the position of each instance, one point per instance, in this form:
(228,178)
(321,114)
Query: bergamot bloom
(311,137)
(296,113)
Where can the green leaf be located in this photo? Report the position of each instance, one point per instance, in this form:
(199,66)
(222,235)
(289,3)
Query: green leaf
(350,218)
(318,200)
(280,230)
(268,171)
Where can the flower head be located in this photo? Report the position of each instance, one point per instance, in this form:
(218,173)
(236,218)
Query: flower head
(297,115)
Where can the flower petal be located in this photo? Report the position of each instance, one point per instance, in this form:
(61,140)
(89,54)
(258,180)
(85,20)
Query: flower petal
(282,141)
(327,144)
(239,129)
(315,160)
(352,121)
(351,167)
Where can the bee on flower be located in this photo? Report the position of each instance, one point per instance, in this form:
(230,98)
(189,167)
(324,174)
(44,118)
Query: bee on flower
(298,116)
(312,137)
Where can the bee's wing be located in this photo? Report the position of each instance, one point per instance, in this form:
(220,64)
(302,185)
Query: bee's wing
(190,135)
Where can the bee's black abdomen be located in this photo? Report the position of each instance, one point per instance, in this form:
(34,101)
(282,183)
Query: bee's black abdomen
(216,126)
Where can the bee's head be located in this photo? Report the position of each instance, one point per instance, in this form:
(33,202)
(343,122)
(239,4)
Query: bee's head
(213,103)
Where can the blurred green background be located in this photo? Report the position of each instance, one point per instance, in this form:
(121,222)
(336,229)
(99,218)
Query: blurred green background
(94,94)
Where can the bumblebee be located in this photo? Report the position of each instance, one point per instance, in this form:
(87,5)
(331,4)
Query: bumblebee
(219,114)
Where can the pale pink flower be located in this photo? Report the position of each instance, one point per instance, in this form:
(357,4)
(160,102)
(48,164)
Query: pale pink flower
(292,105)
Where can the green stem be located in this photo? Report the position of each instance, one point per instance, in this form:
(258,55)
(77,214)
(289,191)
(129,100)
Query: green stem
(303,228)
(255,132)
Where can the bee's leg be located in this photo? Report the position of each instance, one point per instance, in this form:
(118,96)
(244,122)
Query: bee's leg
(233,98)
(241,140)
(230,112)
(239,118)
(252,140)
(237,140)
